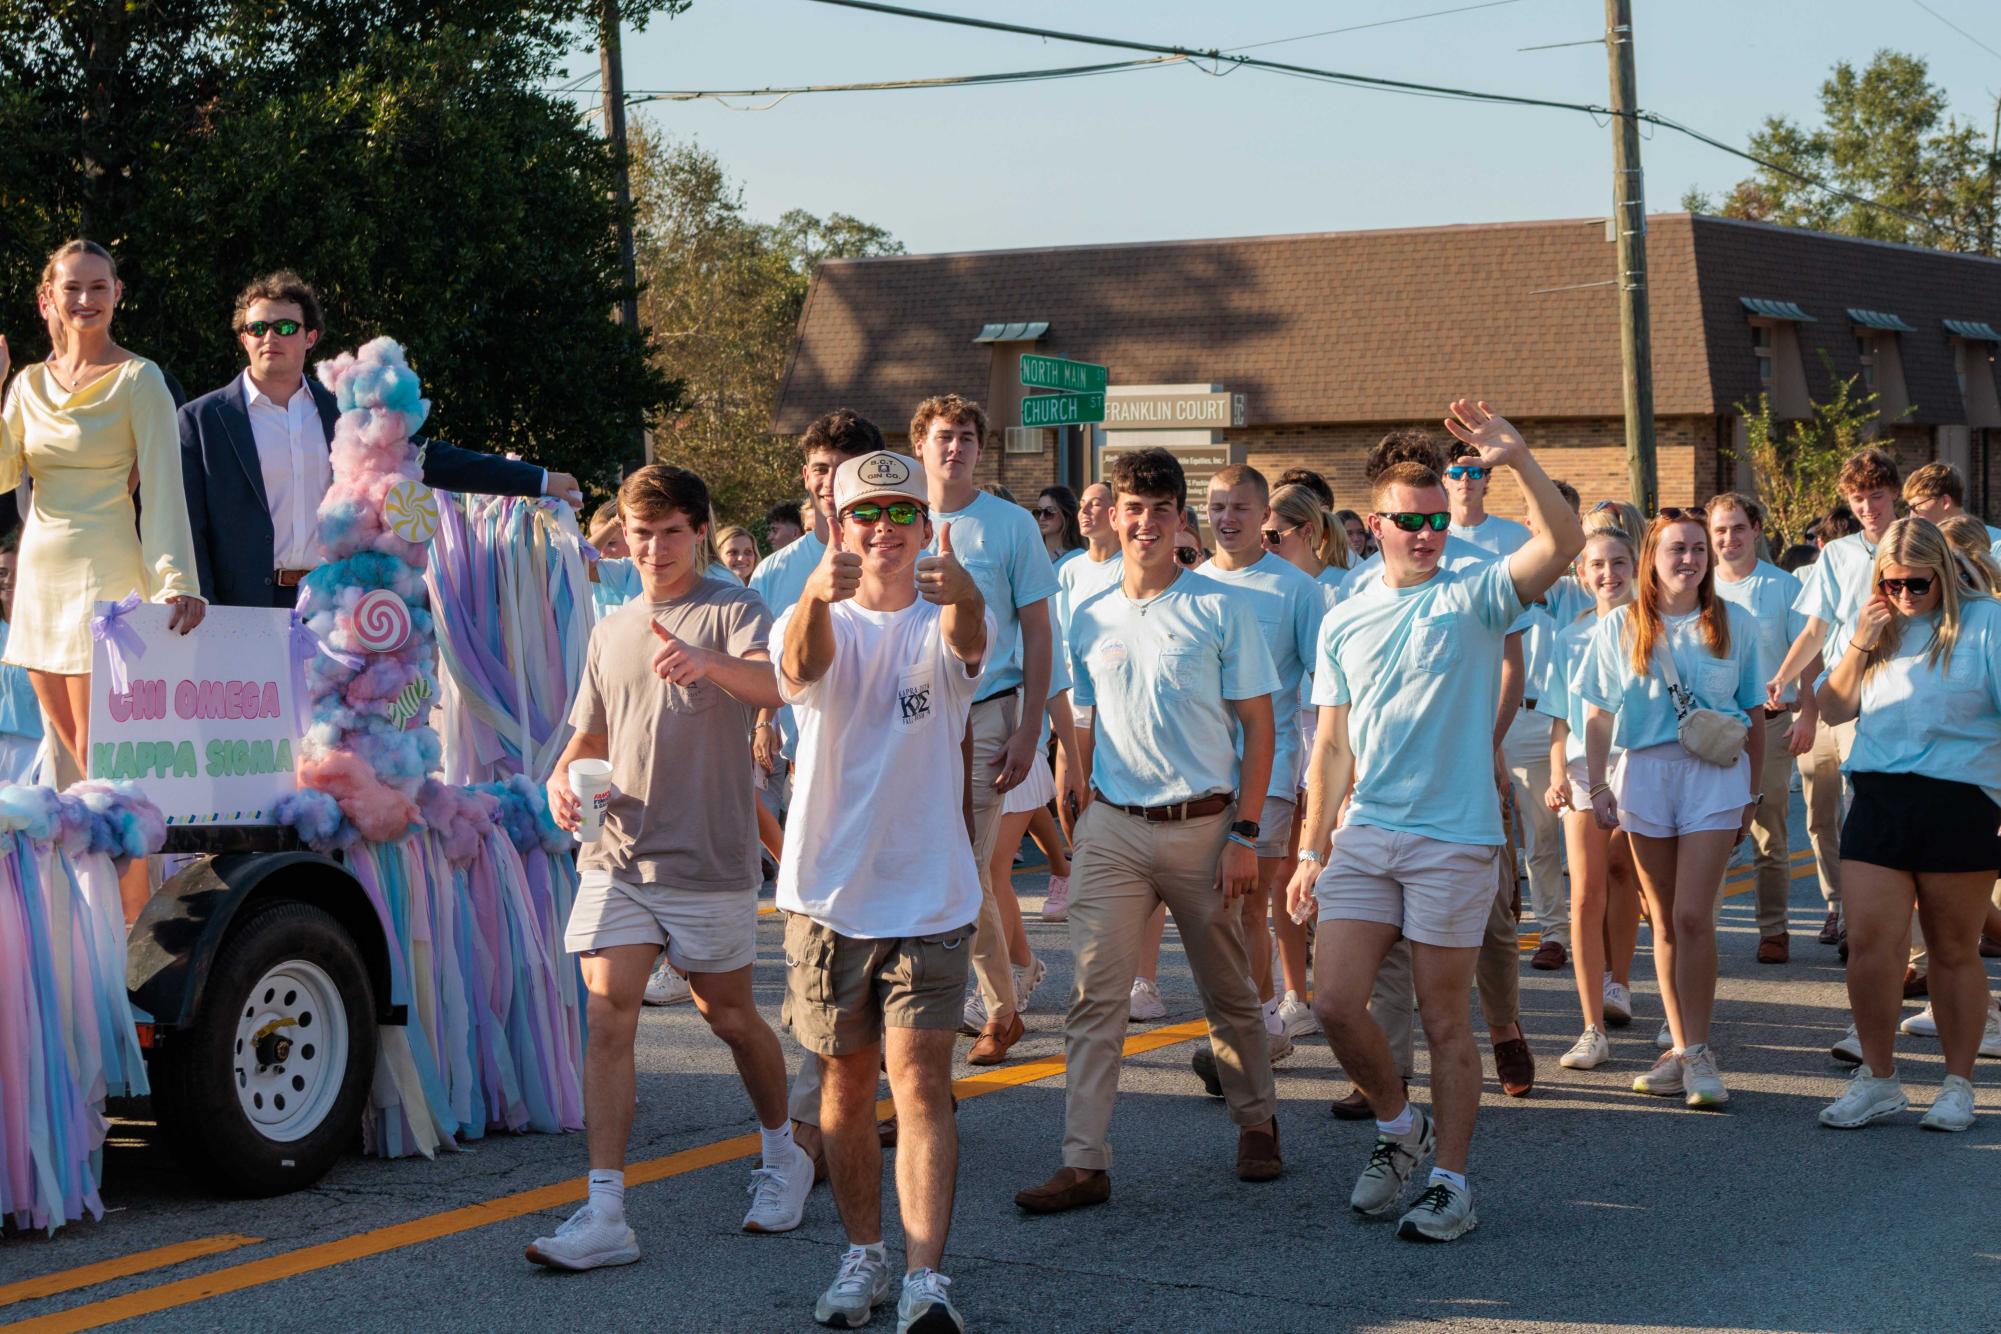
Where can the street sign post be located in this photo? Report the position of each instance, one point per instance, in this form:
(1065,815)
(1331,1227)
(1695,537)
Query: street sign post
(1063,409)
(1070,377)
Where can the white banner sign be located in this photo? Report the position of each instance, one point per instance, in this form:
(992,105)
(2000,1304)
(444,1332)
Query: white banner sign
(206,724)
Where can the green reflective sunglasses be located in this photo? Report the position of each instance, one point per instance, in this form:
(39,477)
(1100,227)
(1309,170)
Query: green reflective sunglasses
(1411,522)
(901,513)
(283,328)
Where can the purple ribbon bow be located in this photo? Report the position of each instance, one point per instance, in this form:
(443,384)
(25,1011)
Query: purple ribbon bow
(123,644)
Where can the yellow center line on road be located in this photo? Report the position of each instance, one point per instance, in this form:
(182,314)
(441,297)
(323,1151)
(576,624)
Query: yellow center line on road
(84,1276)
(431,1227)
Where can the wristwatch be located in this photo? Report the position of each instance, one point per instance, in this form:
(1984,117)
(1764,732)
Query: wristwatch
(1247,828)
(1309,855)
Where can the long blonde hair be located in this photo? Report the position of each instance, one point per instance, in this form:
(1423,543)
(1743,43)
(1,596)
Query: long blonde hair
(46,289)
(1969,540)
(1918,543)
(1620,517)
(1298,506)
(1644,626)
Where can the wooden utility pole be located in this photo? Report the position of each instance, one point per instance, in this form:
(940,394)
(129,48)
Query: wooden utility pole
(611,75)
(1629,227)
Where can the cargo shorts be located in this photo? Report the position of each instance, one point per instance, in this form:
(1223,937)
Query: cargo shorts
(841,991)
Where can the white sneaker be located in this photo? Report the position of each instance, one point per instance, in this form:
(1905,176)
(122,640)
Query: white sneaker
(1297,1016)
(1664,1080)
(1990,1039)
(1056,903)
(973,1020)
(1953,1110)
(1026,979)
(1702,1086)
(664,986)
(1588,1053)
(1146,1002)
(586,1241)
(1280,1044)
(1391,1161)
(1866,1099)
(778,1195)
(1618,1003)
(1444,1212)
(1665,1038)
(1849,1049)
(861,1282)
(1923,1024)
(924,1308)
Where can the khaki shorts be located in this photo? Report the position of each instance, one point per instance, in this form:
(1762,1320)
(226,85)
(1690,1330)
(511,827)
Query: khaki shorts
(841,992)
(702,930)
(1274,827)
(1436,893)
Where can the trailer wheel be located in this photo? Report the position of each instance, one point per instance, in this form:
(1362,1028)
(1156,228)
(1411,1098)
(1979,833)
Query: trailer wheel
(266,1088)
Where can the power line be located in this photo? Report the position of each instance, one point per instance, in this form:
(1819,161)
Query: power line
(1379,23)
(643,95)
(1956,28)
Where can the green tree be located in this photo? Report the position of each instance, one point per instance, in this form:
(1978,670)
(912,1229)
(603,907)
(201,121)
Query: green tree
(1798,463)
(723,293)
(1887,135)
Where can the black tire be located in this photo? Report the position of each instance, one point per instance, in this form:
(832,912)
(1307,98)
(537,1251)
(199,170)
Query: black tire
(195,1075)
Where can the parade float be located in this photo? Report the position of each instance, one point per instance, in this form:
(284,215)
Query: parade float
(343,947)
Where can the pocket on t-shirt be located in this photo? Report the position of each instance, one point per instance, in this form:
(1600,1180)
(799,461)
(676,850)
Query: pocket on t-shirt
(1183,669)
(699,697)
(1716,682)
(1433,645)
(916,697)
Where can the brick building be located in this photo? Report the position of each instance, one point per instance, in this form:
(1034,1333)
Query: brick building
(1284,350)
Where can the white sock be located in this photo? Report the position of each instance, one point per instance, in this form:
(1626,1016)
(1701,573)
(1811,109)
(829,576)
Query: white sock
(778,1145)
(873,1250)
(1273,1024)
(1694,1047)
(1453,1178)
(1400,1126)
(608,1194)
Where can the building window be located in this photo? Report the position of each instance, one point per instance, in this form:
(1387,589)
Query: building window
(1761,344)
(1865,352)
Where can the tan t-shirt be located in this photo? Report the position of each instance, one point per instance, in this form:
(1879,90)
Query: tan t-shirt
(683,812)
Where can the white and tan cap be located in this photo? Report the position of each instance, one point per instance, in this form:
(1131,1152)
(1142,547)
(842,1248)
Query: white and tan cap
(882,475)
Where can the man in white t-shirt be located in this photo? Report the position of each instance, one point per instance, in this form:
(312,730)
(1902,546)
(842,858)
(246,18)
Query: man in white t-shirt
(880,660)
(1407,679)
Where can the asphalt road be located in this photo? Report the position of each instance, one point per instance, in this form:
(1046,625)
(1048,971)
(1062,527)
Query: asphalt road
(1599,1208)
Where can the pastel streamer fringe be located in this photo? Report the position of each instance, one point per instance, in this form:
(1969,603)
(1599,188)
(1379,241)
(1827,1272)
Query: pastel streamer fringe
(67,1040)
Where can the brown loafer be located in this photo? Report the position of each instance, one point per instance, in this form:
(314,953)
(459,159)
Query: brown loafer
(1355,1107)
(1775,949)
(1070,1188)
(1550,957)
(1915,984)
(1515,1065)
(995,1040)
(1257,1154)
(1830,930)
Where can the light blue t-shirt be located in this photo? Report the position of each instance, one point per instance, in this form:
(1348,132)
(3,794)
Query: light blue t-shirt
(1733,684)
(1329,580)
(1538,643)
(1569,650)
(1420,669)
(20,711)
(1994,537)
(1917,719)
(1060,561)
(1458,555)
(1500,536)
(1002,549)
(779,579)
(1567,600)
(1288,605)
(1834,587)
(1770,595)
(1157,673)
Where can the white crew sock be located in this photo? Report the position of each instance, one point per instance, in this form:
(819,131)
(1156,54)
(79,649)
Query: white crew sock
(1454,1178)
(608,1194)
(1400,1126)
(1272,1023)
(778,1145)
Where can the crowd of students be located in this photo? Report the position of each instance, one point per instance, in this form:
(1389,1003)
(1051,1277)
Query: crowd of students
(1318,751)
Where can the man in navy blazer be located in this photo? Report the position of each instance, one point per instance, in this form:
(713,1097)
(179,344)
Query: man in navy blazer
(256,464)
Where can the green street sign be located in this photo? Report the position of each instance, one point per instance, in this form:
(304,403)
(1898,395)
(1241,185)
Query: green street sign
(1062,409)
(1072,377)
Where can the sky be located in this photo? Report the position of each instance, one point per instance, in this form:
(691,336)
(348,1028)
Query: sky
(1174,152)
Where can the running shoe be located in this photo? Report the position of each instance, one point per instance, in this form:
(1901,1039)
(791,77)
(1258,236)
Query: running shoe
(1590,1051)
(1026,979)
(1665,1038)
(1702,1085)
(973,1020)
(1664,1080)
(1866,1099)
(1297,1016)
(1953,1109)
(924,1308)
(849,1301)
(1391,1162)
(1146,1002)
(1618,1003)
(1849,1049)
(778,1195)
(664,986)
(1923,1024)
(1990,1038)
(1056,903)
(584,1240)
(1444,1212)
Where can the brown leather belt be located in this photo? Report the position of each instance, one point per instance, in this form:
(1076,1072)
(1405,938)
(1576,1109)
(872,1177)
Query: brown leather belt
(288,578)
(1212,804)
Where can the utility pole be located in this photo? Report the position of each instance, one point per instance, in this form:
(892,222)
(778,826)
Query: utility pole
(1629,227)
(611,75)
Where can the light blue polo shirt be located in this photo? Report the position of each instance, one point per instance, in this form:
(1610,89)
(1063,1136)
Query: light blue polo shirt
(1917,719)
(1420,669)
(1288,604)
(1157,673)
(1769,594)
(1733,684)
(1834,587)
(1500,536)
(779,579)
(1569,650)
(1002,549)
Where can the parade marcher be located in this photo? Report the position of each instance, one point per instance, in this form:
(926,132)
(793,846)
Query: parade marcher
(1677,660)
(783,524)
(1920,675)
(670,683)
(882,655)
(1832,589)
(738,550)
(1937,492)
(1767,593)
(1173,665)
(1001,547)
(20,715)
(1408,679)
(256,463)
(1095,569)
(1056,516)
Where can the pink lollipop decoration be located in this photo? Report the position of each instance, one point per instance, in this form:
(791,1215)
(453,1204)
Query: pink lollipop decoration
(381,622)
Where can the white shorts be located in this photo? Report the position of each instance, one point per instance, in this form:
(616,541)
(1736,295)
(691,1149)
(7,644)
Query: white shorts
(1275,827)
(1033,792)
(1436,893)
(1665,792)
(1580,784)
(702,930)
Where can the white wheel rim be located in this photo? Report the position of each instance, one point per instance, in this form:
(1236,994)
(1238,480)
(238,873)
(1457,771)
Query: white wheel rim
(290,1052)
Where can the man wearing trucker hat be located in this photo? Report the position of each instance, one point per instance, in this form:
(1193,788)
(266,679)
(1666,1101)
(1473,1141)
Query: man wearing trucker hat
(880,660)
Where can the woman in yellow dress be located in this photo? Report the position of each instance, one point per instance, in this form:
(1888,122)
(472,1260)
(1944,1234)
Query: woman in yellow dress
(83,425)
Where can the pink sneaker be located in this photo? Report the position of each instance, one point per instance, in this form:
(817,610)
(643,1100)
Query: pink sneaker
(1056,907)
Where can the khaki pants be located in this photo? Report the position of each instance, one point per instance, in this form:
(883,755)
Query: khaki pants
(1820,783)
(1393,1000)
(1122,867)
(1768,830)
(992,723)
(1526,749)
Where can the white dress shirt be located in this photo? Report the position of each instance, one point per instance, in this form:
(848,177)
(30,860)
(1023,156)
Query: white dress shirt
(292,453)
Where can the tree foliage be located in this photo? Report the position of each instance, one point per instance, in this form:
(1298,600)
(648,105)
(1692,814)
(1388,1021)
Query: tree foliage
(1798,463)
(401,154)
(722,293)
(1887,135)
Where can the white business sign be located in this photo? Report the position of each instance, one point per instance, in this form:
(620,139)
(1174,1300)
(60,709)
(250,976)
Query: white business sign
(206,724)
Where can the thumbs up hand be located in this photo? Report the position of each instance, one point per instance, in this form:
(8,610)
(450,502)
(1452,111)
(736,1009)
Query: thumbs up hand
(682,664)
(940,578)
(839,572)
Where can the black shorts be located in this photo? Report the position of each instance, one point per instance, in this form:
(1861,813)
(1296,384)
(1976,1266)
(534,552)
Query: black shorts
(1908,822)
